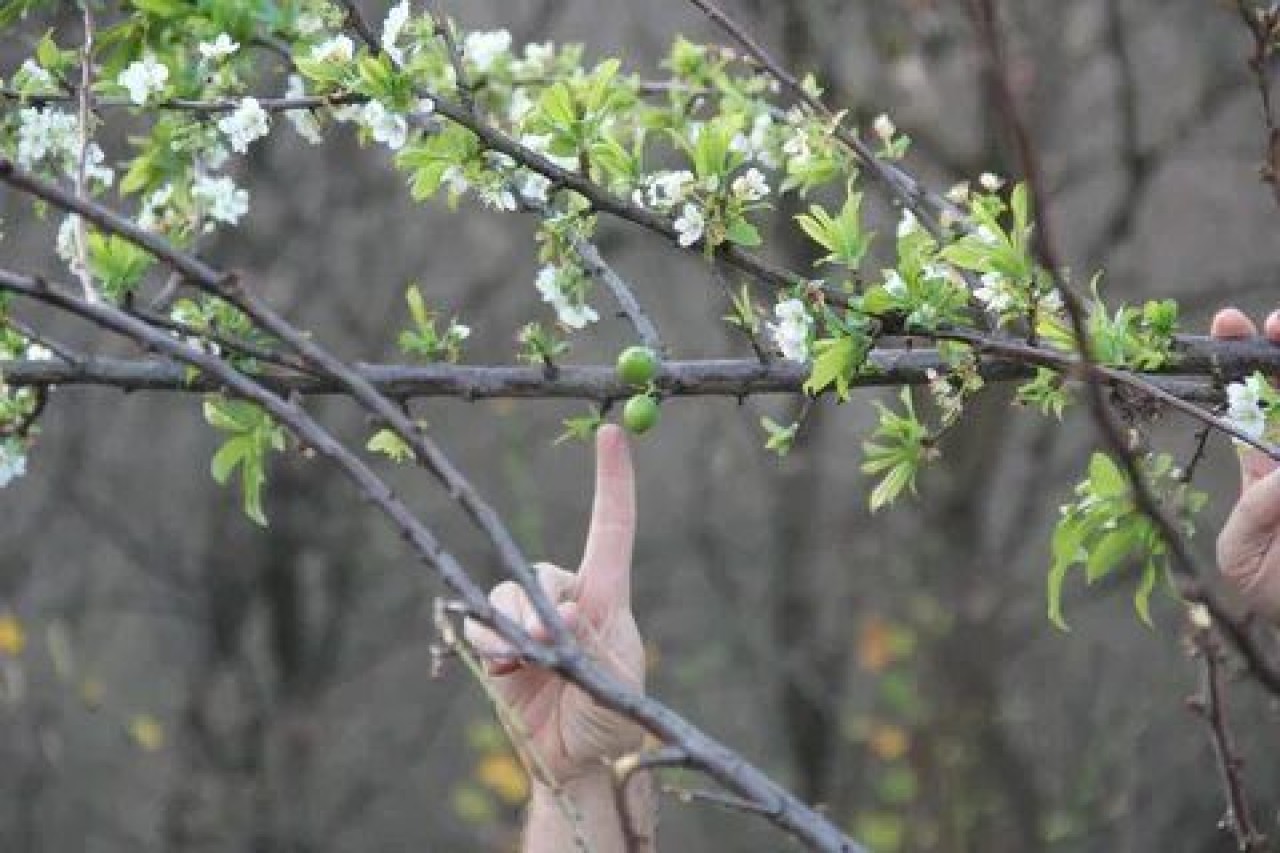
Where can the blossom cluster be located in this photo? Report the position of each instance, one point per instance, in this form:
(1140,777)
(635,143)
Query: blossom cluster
(557,287)
(49,138)
(792,329)
(1250,404)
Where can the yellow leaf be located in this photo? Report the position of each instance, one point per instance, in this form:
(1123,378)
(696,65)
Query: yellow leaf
(875,648)
(12,638)
(503,775)
(888,742)
(146,732)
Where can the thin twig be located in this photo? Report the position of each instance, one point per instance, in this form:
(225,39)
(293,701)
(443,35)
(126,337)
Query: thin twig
(1264,26)
(595,265)
(84,99)
(1211,706)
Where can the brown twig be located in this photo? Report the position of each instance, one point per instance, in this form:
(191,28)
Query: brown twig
(1211,706)
(1264,26)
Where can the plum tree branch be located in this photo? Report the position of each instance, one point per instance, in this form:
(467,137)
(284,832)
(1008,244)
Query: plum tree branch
(718,761)
(562,655)
(1189,577)
(1195,379)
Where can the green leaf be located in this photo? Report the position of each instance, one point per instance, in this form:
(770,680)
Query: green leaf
(1106,478)
(1142,595)
(227,458)
(252,434)
(743,233)
(390,444)
(835,362)
(1057,577)
(1113,547)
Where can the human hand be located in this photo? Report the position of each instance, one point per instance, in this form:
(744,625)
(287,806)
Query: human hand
(569,734)
(1249,545)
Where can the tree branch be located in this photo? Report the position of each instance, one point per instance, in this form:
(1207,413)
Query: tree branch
(1195,379)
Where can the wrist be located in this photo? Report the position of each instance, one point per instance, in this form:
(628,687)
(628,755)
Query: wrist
(589,804)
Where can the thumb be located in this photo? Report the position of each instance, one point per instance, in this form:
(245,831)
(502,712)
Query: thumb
(604,578)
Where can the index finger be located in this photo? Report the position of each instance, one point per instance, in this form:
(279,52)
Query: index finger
(604,578)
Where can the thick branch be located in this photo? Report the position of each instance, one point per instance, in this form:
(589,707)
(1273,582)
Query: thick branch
(1195,379)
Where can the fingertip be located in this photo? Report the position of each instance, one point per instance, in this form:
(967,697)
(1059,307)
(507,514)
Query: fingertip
(1272,327)
(612,445)
(1232,323)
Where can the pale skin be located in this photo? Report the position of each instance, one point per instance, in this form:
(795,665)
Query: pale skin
(575,740)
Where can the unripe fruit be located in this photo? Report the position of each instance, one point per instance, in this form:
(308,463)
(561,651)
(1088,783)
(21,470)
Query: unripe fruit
(637,365)
(640,414)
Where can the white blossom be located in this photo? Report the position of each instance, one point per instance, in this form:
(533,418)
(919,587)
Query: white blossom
(538,60)
(986,235)
(144,78)
(791,331)
(894,284)
(50,137)
(456,179)
(907,224)
(392,26)
(1245,406)
(36,352)
(935,271)
(498,197)
(45,133)
(797,147)
(689,225)
(340,48)
(303,121)
(994,293)
(459,331)
(220,47)
(483,48)
(13,461)
(67,244)
(535,187)
(1051,300)
(750,186)
(93,168)
(578,316)
(990,182)
(153,216)
(37,75)
(520,105)
(247,122)
(223,201)
(884,127)
(308,23)
(958,193)
(575,316)
(385,126)
(667,189)
(755,145)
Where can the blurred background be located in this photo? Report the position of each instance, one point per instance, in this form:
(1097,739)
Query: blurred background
(176,679)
